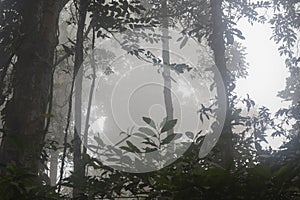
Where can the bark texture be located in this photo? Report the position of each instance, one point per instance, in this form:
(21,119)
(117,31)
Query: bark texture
(25,112)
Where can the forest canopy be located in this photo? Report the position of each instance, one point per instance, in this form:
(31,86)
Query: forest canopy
(134,99)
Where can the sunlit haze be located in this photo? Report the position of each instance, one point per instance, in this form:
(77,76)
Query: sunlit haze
(267,71)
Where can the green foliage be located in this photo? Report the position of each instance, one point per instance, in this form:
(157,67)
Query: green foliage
(256,173)
(153,137)
(19,183)
(118,16)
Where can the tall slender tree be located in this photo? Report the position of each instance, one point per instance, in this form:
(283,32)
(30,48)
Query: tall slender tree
(166,63)
(217,44)
(78,74)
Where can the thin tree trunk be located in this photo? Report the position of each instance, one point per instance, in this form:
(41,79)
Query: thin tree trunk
(25,112)
(218,47)
(87,121)
(166,64)
(78,73)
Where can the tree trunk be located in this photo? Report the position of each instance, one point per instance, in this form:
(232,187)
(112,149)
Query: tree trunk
(78,73)
(89,107)
(25,112)
(218,46)
(166,63)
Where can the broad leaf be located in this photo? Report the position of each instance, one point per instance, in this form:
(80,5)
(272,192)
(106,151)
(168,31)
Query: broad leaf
(133,147)
(169,125)
(99,140)
(168,139)
(189,134)
(149,121)
(126,149)
(147,131)
(184,41)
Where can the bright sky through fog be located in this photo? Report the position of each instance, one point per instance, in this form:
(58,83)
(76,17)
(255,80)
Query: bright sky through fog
(267,71)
